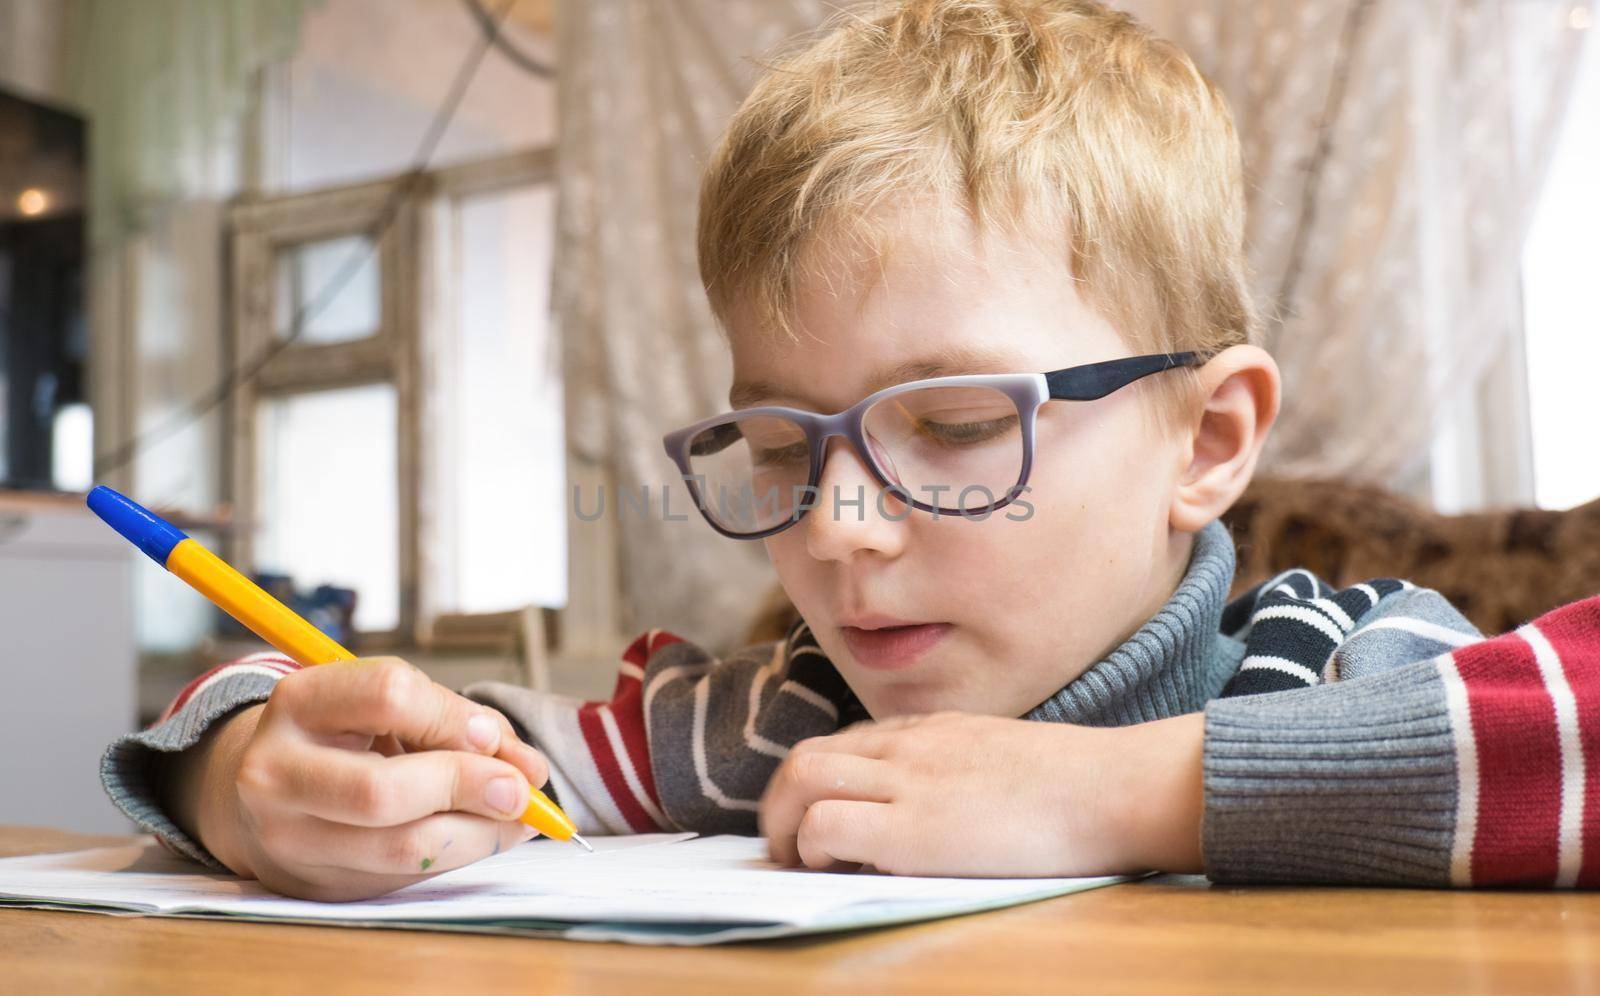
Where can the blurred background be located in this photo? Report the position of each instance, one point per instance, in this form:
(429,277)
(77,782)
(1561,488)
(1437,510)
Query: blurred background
(359,291)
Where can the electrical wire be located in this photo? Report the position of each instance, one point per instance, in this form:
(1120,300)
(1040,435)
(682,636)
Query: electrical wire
(519,58)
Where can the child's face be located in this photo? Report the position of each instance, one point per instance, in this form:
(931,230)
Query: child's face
(1026,602)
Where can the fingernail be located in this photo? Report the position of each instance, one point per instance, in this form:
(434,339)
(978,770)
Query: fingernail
(501,795)
(482,732)
(529,833)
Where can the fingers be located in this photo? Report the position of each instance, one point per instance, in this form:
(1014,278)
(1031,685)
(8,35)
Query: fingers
(419,849)
(387,705)
(385,695)
(368,790)
(839,832)
(806,779)
(873,738)
(532,763)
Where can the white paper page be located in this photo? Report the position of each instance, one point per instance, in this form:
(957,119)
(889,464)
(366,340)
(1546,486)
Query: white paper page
(652,879)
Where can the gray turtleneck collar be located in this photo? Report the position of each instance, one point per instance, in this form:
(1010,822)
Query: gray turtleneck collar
(1171,665)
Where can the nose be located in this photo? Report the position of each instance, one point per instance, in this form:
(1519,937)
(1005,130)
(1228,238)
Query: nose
(849,515)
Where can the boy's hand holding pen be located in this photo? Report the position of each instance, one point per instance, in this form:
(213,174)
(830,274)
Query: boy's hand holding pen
(307,794)
(355,777)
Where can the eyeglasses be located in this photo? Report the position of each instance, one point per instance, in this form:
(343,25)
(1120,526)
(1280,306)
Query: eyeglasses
(754,472)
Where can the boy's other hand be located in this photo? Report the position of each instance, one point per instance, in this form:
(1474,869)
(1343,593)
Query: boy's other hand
(357,778)
(958,794)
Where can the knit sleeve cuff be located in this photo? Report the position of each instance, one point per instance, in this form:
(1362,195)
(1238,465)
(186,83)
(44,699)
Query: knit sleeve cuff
(128,767)
(1352,782)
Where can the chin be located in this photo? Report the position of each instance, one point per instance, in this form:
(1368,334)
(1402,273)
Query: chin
(914,700)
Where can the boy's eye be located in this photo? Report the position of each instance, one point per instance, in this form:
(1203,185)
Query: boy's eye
(782,456)
(966,433)
(714,440)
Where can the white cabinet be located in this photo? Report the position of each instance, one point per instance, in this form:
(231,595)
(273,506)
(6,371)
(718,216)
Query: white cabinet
(68,662)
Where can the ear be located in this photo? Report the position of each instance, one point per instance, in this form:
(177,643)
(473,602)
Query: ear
(1239,394)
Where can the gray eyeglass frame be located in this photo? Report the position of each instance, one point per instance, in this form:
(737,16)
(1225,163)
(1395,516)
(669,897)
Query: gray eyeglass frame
(1088,382)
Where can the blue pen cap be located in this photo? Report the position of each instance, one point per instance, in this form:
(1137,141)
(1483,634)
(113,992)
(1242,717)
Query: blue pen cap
(137,524)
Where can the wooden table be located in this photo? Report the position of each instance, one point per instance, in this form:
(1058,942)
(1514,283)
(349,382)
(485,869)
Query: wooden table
(1166,935)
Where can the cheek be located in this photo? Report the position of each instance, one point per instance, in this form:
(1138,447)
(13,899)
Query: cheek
(798,572)
(1101,464)
(1099,499)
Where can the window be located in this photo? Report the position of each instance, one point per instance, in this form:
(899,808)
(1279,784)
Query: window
(1561,271)
(501,525)
(309,270)
(327,494)
(409,442)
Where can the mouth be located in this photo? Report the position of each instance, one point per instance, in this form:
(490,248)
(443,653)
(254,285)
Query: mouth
(885,644)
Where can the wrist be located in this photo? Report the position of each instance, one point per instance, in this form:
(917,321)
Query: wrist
(198,787)
(1162,808)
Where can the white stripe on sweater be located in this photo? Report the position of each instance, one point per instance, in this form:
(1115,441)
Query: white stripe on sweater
(573,772)
(1571,823)
(752,739)
(1303,614)
(608,721)
(697,748)
(1281,583)
(267,669)
(1420,627)
(809,695)
(1460,712)
(664,677)
(1267,662)
(1328,605)
(268,657)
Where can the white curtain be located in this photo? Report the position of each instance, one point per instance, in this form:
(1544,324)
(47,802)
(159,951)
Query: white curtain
(645,87)
(162,82)
(1393,153)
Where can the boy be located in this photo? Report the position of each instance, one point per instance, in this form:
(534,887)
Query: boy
(1012,583)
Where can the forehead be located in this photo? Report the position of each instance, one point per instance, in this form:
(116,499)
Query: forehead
(934,360)
(924,296)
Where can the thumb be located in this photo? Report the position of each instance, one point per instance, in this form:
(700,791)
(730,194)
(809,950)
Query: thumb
(512,748)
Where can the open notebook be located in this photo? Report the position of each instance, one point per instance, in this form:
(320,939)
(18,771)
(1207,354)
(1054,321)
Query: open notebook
(649,889)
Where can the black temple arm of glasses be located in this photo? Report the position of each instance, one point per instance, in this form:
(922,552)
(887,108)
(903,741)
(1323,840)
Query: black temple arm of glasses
(1096,380)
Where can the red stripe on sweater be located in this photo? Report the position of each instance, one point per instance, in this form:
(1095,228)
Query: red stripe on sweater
(627,707)
(1519,763)
(1574,634)
(640,650)
(283,665)
(606,763)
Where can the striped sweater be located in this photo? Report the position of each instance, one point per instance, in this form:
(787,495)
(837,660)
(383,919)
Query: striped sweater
(1365,736)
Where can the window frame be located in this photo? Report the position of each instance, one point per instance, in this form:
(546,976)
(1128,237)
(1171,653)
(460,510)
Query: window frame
(416,293)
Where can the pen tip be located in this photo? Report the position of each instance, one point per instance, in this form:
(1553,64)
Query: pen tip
(579,839)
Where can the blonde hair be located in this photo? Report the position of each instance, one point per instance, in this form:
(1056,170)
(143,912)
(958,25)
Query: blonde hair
(1022,112)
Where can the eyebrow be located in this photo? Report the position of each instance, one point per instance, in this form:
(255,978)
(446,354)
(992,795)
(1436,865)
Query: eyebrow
(946,362)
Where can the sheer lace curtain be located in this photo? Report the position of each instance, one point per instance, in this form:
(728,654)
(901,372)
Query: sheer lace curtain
(163,81)
(1393,153)
(166,85)
(644,90)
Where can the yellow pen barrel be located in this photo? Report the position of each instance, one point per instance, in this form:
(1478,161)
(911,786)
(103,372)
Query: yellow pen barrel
(245,601)
(546,817)
(277,624)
